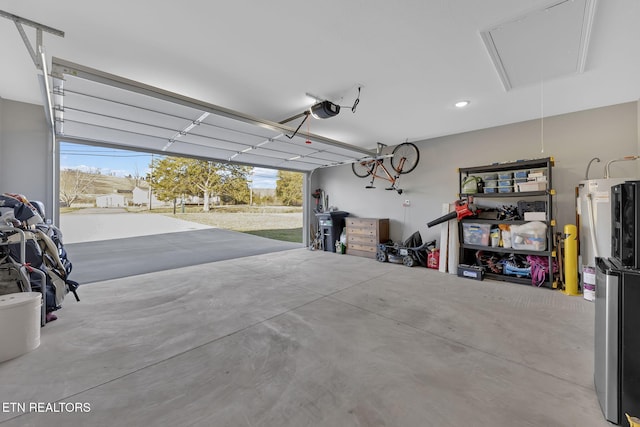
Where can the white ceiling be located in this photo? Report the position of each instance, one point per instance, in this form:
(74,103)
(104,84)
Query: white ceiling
(414,58)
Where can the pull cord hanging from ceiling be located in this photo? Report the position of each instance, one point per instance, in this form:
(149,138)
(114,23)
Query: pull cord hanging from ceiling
(542,115)
(357,101)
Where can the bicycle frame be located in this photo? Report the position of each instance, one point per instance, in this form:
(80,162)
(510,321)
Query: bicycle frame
(378,163)
(405,155)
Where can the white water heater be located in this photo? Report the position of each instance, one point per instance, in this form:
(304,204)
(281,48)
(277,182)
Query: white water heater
(594,211)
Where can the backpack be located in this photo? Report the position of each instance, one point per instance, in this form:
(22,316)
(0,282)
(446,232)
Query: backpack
(16,207)
(540,269)
(472,185)
(45,259)
(42,261)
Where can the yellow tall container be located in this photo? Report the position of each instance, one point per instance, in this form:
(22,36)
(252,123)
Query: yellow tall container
(570,260)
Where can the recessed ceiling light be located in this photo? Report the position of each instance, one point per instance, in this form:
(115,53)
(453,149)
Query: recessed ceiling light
(462,104)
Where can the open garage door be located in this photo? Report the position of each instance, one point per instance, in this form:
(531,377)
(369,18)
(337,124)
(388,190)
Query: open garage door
(91,106)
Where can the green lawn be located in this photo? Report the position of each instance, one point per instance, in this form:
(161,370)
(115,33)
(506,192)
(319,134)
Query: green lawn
(287,235)
(273,222)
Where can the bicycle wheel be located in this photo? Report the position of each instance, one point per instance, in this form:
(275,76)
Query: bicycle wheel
(363,169)
(407,151)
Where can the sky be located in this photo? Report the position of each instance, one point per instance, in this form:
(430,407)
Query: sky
(111,161)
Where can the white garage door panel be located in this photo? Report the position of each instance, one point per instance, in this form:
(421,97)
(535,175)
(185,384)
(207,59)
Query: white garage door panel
(253,159)
(125,125)
(97,107)
(220,123)
(101,90)
(296,147)
(76,132)
(216,133)
(208,142)
(73,102)
(334,158)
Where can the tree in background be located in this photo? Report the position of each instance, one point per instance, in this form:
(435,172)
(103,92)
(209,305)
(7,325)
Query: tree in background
(204,177)
(74,183)
(234,183)
(168,178)
(136,177)
(289,188)
(173,177)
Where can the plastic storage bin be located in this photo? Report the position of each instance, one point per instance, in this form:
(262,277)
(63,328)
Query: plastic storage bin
(531,236)
(475,233)
(537,172)
(505,175)
(19,323)
(505,189)
(521,174)
(532,186)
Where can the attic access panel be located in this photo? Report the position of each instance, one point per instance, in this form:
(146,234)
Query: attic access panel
(542,44)
(95,107)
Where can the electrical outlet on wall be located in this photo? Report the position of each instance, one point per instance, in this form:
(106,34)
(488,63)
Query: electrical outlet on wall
(406,203)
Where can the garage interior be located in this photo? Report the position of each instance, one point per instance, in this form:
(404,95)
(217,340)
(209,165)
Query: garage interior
(301,337)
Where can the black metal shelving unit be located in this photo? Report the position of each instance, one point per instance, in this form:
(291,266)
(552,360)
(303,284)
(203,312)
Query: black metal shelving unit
(545,164)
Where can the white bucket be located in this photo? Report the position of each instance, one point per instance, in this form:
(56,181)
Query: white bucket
(19,323)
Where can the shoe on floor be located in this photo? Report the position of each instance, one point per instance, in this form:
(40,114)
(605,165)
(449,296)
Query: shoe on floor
(51,317)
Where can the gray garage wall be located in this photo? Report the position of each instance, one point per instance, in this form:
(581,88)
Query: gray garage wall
(25,151)
(1,145)
(572,139)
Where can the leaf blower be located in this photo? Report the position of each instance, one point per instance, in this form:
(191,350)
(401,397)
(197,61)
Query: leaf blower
(317,194)
(463,210)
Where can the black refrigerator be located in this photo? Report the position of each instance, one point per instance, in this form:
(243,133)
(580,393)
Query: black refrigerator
(617,339)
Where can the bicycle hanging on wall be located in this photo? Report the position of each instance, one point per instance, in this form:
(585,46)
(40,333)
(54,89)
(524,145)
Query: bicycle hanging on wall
(404,159)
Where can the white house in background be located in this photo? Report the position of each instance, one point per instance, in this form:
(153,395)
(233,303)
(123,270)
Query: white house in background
(111,201)
(141,198)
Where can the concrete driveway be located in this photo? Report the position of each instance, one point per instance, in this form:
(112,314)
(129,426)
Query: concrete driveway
(93,224)
(109,244)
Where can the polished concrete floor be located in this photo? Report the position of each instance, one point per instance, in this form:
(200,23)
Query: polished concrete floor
(304,338)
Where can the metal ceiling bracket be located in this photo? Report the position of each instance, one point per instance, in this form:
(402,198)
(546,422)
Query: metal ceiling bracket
(39,60)
(33,52)
(27,44)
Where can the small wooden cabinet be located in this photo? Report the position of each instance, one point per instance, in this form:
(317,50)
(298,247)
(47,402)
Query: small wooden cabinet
(364,235)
